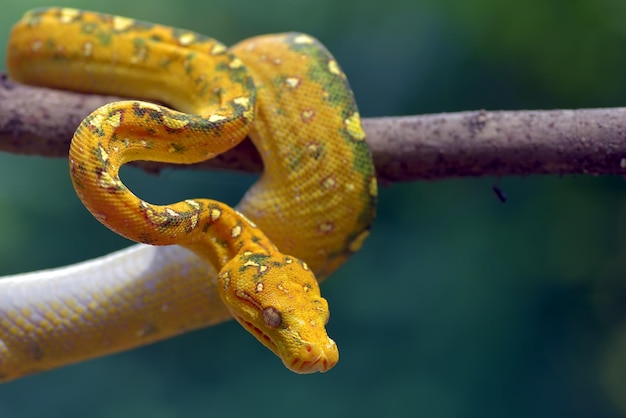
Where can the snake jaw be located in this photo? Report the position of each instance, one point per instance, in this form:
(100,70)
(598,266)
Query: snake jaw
(310,358)
(314,358)
(258,333)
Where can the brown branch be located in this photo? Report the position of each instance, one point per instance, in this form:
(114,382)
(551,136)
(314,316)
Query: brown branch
(479,143)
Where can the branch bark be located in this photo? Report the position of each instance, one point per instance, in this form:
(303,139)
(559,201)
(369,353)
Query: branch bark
(40,121)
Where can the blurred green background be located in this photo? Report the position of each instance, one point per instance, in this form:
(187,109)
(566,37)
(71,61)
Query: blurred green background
(458,305)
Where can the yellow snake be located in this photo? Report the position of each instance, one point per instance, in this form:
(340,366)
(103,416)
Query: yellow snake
(310,210)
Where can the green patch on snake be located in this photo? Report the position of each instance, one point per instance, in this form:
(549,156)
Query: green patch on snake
(104,38)
(255,260)
(238,75)
(141,48)
(89,28)
(361,156)
(177,148)
(295,157)
(336,84)
(187,65)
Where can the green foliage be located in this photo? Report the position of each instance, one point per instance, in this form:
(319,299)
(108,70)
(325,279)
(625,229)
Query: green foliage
(458,305)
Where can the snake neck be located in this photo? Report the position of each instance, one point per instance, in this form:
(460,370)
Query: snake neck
(215,231)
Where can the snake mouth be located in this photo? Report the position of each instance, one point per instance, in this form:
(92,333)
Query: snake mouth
(261,336)
(320,364)
(311,358)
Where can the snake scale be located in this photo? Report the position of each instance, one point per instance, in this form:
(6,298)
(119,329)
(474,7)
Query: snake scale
(310,210)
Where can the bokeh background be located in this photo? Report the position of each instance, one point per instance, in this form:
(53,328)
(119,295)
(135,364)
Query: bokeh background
(458,305)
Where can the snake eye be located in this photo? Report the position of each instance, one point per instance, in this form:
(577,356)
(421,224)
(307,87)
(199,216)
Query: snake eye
(272,317)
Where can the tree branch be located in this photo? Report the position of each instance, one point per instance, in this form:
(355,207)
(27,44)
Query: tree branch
(35,120)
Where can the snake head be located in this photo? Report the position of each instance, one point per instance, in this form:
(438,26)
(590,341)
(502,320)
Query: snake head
(277,299)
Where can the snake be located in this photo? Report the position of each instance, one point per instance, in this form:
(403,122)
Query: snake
(198,261)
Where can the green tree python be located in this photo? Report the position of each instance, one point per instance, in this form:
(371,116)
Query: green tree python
(310,210)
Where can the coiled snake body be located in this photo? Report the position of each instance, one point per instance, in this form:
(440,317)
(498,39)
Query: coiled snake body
(310,210)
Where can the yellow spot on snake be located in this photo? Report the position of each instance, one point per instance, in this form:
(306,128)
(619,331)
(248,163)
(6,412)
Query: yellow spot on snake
(307,115)
(236,231)
(171,212)
(122,23)
(115,119)
(194,220)
(326,227)
(148,105)
(235,64)
(218,49)
(303,39)
(292,82)
(215,214)
(174,123)
(250,263)
(108,182)
(249,113)
(373,187)
(333,67)
(259,287)
(329,183)
(193,204)
(242,101)
(225,277)
(68,15)
(103,154)
(216,118)
(87,49)
(353,126)
(186,39)
(156,218)
(97,120)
